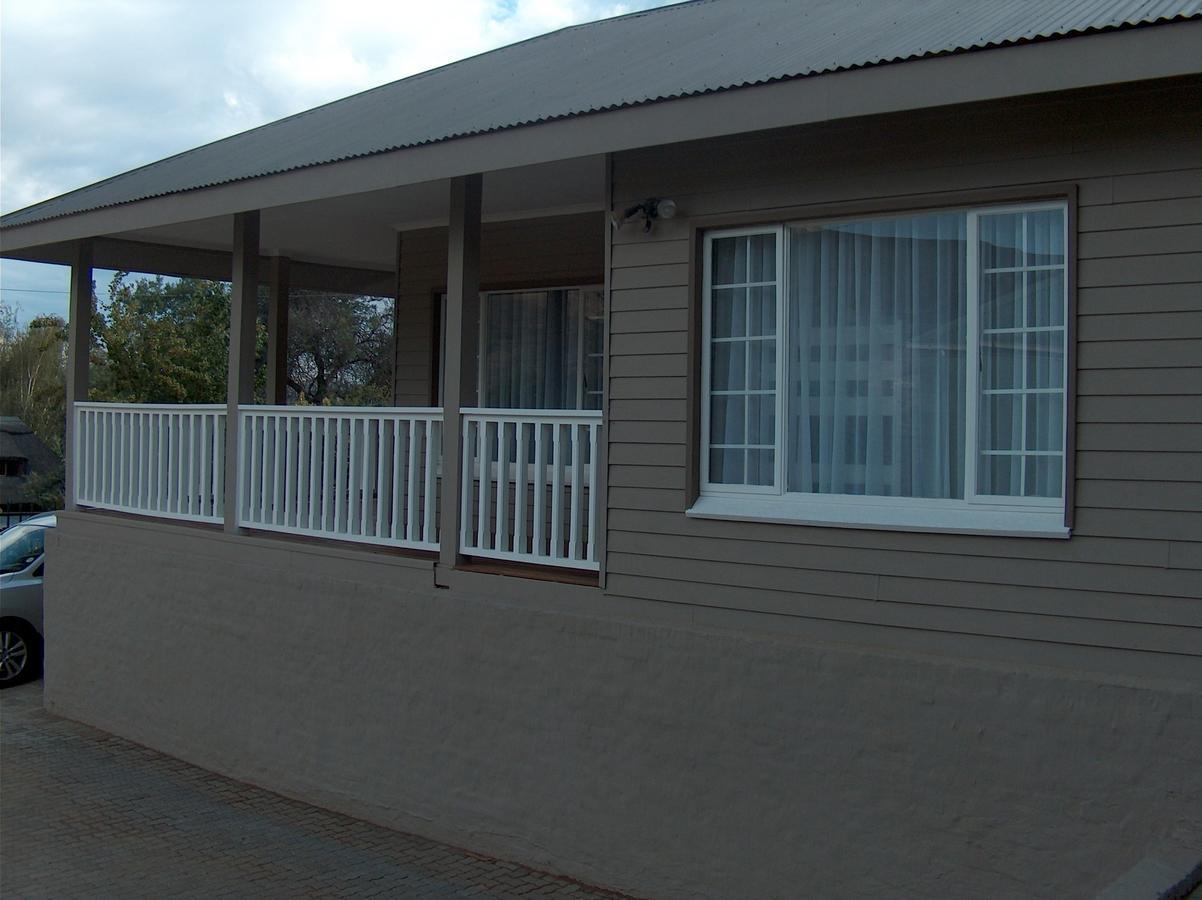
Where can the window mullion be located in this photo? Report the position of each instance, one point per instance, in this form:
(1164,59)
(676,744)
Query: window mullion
(972,361)
(782,355)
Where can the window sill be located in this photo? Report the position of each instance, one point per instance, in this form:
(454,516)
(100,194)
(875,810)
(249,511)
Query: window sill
(883,515)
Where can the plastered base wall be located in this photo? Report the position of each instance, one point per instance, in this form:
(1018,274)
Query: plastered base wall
(668,761)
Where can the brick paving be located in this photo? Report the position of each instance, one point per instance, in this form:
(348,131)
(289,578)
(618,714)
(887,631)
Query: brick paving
(87,814)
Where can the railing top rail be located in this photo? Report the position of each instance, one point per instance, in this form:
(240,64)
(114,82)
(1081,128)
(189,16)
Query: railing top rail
(421,412)
(534,415)
(151,407)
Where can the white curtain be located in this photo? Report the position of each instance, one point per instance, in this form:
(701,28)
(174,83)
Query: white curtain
(531,350)
(876,392)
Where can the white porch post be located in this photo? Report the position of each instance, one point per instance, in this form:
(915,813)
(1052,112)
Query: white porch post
(463,299)
(277,332)
(240,383)
(79,346)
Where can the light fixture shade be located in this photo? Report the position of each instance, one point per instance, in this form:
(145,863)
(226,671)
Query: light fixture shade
(666,209)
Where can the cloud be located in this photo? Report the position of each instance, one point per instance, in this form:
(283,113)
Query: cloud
(92,88)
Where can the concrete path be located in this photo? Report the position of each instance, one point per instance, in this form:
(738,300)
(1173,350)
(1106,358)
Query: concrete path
(87,814)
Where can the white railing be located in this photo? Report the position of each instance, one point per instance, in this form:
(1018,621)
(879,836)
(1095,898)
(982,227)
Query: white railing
(164,461)
(347,473)
(530,486)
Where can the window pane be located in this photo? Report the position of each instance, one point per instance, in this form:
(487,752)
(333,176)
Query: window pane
(1045,359)
(1045,298)
(1001,241)
(1044,241)
(729,318)
(761,419)
(742,358)
(726,466)
(762,257)
(1045,422)
(877,357)
(1026,364)
(1000,476)
(761,467)
(761,310)
(1001,301)
(1043,476)
(728,420)
(1001,422)
(723,261)
(729,364)
(1001,361)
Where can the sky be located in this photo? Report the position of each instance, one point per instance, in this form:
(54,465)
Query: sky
(92,88)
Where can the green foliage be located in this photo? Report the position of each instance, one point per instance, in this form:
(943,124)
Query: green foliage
(33,374)
(162,341)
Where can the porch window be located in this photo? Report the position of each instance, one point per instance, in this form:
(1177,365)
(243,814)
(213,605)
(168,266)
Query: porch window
(903,371)
(539,349)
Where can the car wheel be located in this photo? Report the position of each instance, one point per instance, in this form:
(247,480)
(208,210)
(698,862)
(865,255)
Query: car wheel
(20,654)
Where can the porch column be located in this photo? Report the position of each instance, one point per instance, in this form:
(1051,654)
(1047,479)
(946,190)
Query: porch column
(277,332)
(79,346)
(463,299)
(240,383)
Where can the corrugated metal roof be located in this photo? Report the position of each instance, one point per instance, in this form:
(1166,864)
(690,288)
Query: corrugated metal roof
(669,52)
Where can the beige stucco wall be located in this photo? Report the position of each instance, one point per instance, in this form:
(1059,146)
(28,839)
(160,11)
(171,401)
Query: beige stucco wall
(591,736)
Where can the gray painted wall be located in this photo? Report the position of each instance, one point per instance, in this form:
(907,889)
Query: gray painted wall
(553,726)
(1125,593)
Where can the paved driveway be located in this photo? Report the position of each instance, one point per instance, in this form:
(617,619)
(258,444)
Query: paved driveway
(86,814)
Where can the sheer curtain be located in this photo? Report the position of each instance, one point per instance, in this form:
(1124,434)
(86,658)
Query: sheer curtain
(876,393)
(531,350)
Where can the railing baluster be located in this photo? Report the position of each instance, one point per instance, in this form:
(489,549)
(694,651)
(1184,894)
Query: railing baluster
(412,480)
(593,431)
(430,501)
(539,509)
(519,492)
(484,461)
(576,446)
(555,550)
(365,475)
(465,489)
(380,505)
(501,541)
(340,489)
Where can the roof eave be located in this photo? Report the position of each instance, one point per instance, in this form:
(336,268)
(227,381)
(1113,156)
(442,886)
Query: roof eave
(1093,60)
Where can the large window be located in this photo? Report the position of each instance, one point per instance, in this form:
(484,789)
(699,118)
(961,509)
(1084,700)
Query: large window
(539,349)
(902,371)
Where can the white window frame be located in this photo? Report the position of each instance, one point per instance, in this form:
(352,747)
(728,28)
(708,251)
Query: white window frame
(975,513)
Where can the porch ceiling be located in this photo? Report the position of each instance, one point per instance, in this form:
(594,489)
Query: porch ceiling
(359,230)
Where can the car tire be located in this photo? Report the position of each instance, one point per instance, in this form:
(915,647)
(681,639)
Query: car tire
(20,654)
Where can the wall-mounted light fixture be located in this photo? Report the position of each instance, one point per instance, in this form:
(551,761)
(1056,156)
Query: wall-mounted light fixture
(649,210)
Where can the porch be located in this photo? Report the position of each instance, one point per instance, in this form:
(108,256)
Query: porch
(492,448)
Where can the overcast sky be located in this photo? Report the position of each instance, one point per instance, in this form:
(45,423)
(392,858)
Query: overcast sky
(91,88)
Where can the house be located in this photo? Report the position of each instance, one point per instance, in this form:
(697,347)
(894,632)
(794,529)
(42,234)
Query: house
(793,485)
(23,456)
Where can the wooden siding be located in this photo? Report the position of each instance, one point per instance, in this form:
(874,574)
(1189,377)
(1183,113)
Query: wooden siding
(1126,589)
(559,250)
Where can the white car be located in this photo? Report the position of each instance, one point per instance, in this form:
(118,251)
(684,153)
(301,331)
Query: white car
(22,565)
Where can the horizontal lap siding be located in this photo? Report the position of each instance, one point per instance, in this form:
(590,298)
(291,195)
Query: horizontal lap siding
(1130,579)
(561,250)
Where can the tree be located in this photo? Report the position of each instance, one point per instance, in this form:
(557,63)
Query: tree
(340,349)
(163,341)
(33,374)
